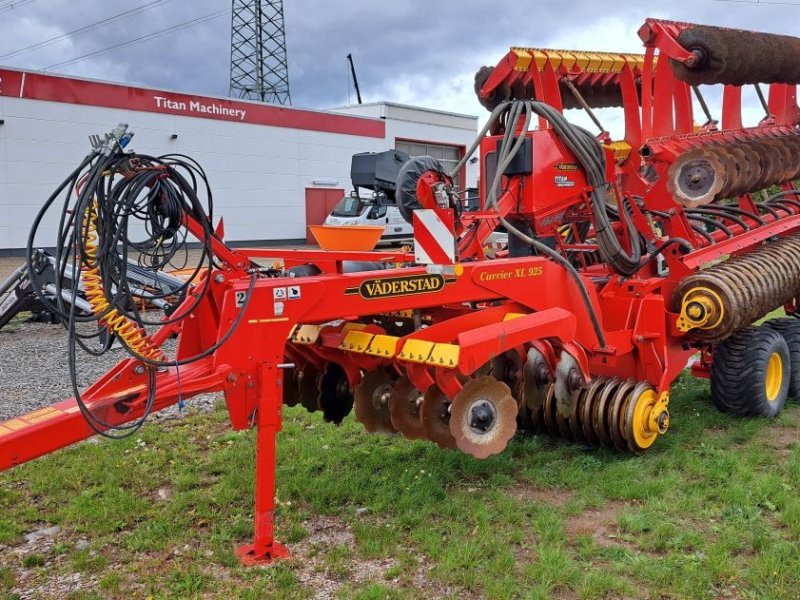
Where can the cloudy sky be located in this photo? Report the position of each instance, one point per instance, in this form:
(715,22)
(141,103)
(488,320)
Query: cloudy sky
(411,51)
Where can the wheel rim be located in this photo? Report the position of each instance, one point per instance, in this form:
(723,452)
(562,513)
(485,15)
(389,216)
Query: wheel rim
(774,378)
(642,427)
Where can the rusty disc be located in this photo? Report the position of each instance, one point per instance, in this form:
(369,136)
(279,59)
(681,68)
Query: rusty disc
(576,431)
(335,395)
(744,169)
(732,170)
(483,417)
(536,378)
(600,410)
(404,409)
(372,401)
(769,166)
(696,177)
(616,414)
(508,368)
(435,416)
(789,142)
(590,395)
(524,418)
(776,153)
(307,382)
(549,411)
(291,388)
(567,368)
(537,416)
(562,423)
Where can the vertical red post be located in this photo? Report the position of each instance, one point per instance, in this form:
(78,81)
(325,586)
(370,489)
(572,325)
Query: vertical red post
(264,549)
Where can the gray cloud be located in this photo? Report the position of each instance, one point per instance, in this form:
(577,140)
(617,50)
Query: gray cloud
(416,51)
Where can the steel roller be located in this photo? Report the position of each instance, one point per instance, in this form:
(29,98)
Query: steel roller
(715,302)
(736,57)
(622,414)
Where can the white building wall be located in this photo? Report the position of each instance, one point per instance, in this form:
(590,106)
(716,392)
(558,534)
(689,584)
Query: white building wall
(258,173)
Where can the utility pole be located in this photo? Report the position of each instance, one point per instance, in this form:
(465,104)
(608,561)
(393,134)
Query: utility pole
(259,69)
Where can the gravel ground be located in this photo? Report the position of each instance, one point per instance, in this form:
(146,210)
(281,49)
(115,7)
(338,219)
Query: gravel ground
(34,371)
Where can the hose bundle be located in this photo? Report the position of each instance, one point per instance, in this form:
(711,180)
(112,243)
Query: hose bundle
(117,209)
(591,156)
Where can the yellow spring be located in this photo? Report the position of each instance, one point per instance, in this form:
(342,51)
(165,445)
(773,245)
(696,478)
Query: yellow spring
(113,320)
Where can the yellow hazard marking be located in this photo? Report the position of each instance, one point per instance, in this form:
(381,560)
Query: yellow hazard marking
(621,150)
(512,316)
(416,351)
(15,424)
(444,355)
(307,334)
(42,415)
(357,341)
(576,60)
(523,59)
(273,320)
(383,345)
(4,431)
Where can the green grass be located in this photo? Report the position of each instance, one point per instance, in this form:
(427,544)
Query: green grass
(712,511)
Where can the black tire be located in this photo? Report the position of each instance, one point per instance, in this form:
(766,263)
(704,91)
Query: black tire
(739,373)
(789,328)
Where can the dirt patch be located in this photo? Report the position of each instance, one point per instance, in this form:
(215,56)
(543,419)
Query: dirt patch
(36,552)
(551,496)
(317,574)
(599,523)
(58,586)
(783,438)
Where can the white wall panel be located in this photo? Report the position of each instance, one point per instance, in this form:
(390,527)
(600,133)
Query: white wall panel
(258,173)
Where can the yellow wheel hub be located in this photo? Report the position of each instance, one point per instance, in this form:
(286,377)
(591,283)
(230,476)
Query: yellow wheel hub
(650,418)
(701,308)
(774,379)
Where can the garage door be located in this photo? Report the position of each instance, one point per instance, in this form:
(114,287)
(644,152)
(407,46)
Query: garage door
(447,155)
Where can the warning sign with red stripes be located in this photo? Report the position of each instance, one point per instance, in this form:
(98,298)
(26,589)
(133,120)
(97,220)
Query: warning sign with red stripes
(434,236)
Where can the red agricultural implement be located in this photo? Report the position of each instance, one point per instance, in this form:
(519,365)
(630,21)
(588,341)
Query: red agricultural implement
(625,259)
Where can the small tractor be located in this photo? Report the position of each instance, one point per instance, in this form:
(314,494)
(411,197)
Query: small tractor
(627,260)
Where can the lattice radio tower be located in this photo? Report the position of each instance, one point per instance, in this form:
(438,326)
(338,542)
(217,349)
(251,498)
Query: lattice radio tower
(258,52)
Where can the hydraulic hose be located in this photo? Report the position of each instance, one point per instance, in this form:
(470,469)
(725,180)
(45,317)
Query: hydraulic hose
(507,154)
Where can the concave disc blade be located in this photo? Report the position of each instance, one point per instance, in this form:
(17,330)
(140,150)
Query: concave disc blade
(404,409)
(435,415)
(696,177)
(483,417)
(307,380)
(372,402)
(291,388)
(335,397)
(536,380)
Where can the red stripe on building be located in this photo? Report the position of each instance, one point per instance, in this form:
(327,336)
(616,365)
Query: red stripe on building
(53,88)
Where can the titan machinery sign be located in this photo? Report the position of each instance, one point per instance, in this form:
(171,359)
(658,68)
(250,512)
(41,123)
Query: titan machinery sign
(55,88)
